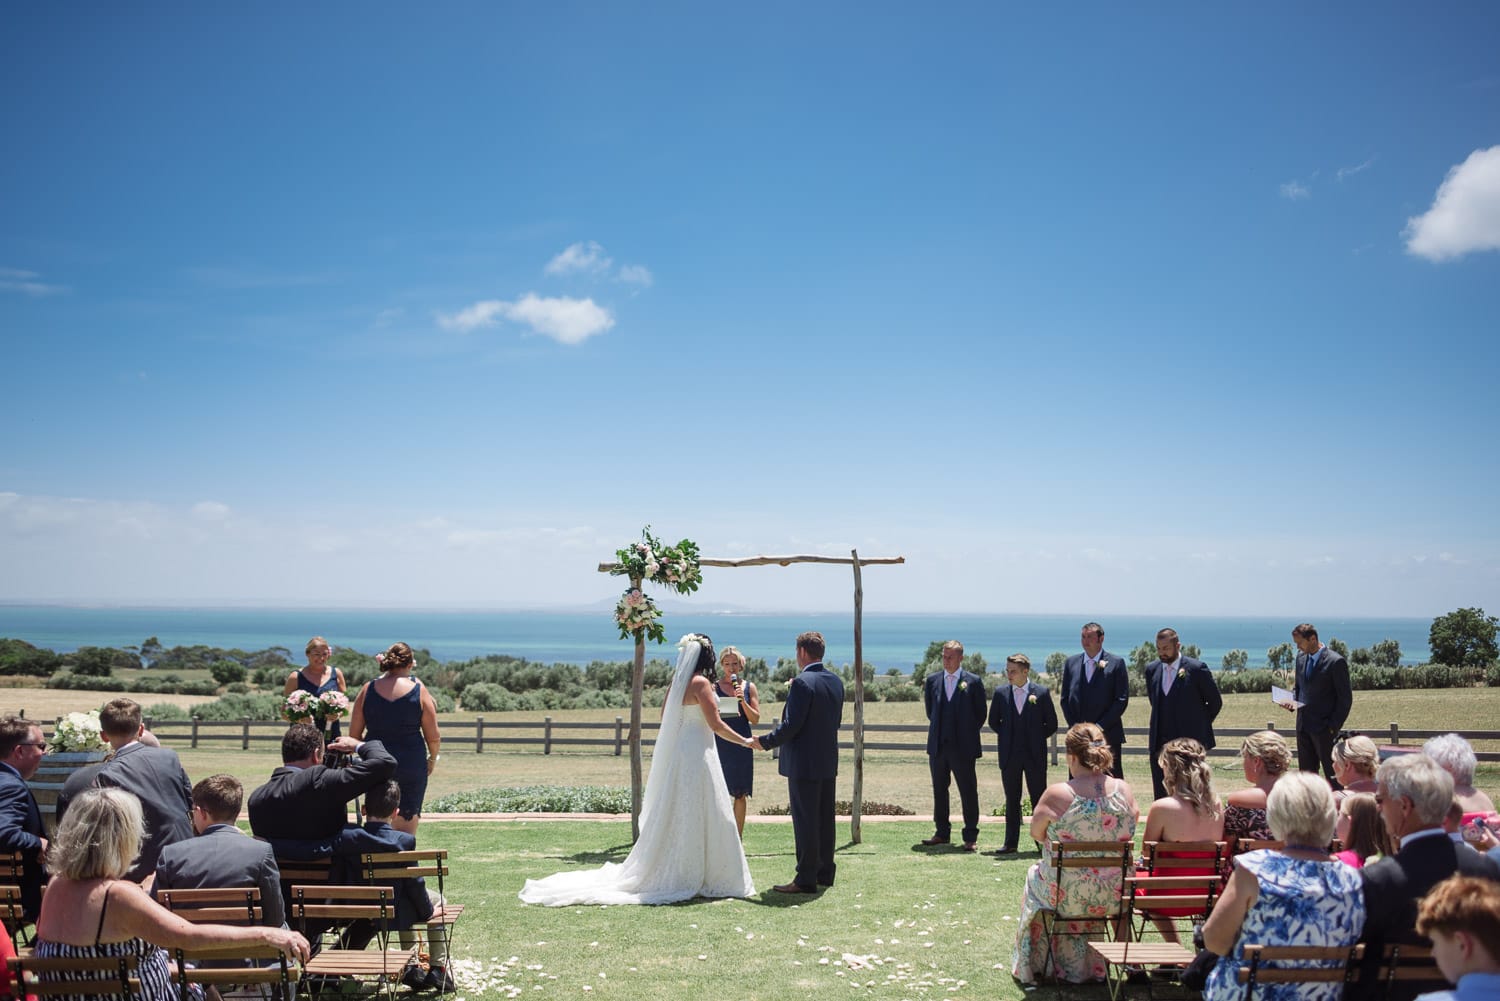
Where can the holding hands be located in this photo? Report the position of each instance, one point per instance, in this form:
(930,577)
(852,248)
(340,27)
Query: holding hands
(755,744)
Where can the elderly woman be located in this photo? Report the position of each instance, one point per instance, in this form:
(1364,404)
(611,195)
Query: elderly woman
(89,910)
(1091,805)
(1354,762)
(1456,757)
(1296,895)
(1265,758)
(1190,811)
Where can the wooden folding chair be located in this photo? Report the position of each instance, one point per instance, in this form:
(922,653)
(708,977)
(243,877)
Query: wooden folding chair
(1073,861)
(1244,845)
(10,913)
(429,864)
(1298,964)
(342,906)
(262,966)
(102,976)
(1412,966)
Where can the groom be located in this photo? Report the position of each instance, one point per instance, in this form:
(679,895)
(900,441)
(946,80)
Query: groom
(808,736)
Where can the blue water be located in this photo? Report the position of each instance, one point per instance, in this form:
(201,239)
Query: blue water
(890,640)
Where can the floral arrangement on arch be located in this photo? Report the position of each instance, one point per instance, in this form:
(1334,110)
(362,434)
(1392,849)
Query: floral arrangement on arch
(649,561)
(76,732)
(320,710)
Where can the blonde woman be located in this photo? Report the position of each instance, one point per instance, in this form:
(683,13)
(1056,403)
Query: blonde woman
(1265,758)
(1190,811)
(1354,762)
(737,762)
(318,677)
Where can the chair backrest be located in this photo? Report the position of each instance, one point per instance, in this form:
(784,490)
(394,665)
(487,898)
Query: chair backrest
(12,866)
(236,906)
(1101,857)
(314,908)
(304,871)
(10,907)
(91,976)
(1412,965)
(1335,964)
(1164,858)
(387,867)
(1175,898)
(1255,844)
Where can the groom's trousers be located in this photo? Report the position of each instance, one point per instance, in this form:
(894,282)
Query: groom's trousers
(812,827)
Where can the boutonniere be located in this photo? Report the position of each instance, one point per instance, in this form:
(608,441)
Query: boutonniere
(1031,699)
(963,686)
(1181,673)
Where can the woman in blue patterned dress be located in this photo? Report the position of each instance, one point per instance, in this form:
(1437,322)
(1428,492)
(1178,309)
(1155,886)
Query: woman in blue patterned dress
(398,711)
(91,911)
(1297,895)
(318,677)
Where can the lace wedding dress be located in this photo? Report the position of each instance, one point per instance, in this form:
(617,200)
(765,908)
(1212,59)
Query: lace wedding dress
(689,845)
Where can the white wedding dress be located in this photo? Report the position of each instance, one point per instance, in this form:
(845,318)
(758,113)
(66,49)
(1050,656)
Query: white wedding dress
(689,845)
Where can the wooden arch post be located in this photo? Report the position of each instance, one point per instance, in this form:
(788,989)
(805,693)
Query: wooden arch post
(637,679)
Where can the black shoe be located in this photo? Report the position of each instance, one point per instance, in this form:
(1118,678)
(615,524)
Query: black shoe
(441,981)
(416,978)
(1008,850)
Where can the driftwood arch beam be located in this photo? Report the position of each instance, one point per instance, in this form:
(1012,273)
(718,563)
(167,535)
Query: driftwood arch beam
(638,675)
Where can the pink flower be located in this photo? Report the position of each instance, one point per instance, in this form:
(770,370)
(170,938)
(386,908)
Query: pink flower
(1109,821)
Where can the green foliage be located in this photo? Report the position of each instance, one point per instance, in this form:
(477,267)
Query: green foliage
(84,683)
(785,671)
(843,807)
(1281,657)
(238,705)
(1386,653)
(444,701)
(535,799)
(17,657)
(237,688)
(269,676)
(1492,676)
(98,661)
(484,696)
(1056,661)
(1465,637)
(1243,680)
(1339,647)
(227,672)
(932,660)
(900,693)
(1141,656)
(1235,660)
(164,711)
(1193,650)
(1361,656)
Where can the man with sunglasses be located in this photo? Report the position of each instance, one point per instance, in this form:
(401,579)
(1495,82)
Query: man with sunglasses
(21,751)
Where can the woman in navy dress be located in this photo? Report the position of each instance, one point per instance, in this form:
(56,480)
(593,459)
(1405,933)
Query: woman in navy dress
(737,762)
(318,676)
(398,711)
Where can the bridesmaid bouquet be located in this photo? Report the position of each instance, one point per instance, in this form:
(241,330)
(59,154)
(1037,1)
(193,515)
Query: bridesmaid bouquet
(298,706)
(320,711)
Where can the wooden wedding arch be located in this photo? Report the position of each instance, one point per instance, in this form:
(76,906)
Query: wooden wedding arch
(637,677)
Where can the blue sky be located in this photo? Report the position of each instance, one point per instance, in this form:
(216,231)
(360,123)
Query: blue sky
(1178,309)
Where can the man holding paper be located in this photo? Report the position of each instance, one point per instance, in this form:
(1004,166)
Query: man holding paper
(1322,687)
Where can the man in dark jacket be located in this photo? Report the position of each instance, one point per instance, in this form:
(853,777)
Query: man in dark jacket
(21,751)
(955,704)
(1096,689)
(1024,720)
(305,805)
(1322,686)
(1184,698)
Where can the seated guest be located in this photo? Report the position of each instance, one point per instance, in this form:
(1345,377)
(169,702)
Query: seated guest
(1360,829)
(1189,812)
(21,751)
(414,901)
(1091,805)
(1266,758)
(92,910)
(305,805)
(82,779)
(1354,762)
(1462,917)
(221,855)
(1295,895)
(1414,796)
(1456,757)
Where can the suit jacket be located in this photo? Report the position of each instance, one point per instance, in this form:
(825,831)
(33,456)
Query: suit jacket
(1324,693)
(222,856)
(311,805)
(808,733)
(412,902)
(1022,737)
(155,776)
(968,712)
(21,831)
(75,784)
(1189,710)
(1100,701)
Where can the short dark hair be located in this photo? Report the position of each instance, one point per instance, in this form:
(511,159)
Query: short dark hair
(220,797)
(14,731)
(383,800)
(1166,634)
(120,718)
(1306,631)
(812,642)
(1094,627)
(300,742)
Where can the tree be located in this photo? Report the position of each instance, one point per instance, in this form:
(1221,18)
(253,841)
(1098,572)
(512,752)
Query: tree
(1055,662)
(98,661)
(1464,638)
(1361,655)
(1280,657)
(1339,647)
(1143,655)
(227,672)
(1386,653)
(151,649)
(1235,660)
(1193,650)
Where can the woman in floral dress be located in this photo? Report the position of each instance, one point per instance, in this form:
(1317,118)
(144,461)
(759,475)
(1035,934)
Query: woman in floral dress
(1091,806)
(1266,758)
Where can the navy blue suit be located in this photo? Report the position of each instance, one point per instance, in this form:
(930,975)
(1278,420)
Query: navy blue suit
(1326,700)
(1101,700)
(1188,710)
(808,736)
(953,745)
(21,831)
(412,902)
(1021,743)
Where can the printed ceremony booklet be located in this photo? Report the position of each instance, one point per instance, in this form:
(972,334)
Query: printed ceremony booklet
(729,705)
(1282,697)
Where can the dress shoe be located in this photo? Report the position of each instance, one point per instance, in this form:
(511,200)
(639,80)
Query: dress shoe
(793,888)
(440,980)
(970,846)
(934,841)
(416,978)
(1008,850)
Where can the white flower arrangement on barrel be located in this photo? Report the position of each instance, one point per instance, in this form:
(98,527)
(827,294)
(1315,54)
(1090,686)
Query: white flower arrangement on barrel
(651,561)
(76,732)
(319,710)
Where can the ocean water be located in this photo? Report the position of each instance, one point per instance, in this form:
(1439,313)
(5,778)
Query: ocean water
(890,640)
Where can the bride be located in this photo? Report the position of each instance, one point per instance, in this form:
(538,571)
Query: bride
(688,845)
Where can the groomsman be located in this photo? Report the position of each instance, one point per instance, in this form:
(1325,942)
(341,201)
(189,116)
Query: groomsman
(1322,687)
(1096,689)
(1184,698)
(1023,720)
(955,711)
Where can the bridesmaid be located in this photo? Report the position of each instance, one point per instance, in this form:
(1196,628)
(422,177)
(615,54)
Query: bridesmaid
(398,711)
(318,676)
(737,762)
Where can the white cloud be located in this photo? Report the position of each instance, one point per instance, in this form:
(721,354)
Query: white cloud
(635,274)
(565,320)
(25,282)
(1295,190)
(210,511)
(1465,214)
(1344,172)
(588,257)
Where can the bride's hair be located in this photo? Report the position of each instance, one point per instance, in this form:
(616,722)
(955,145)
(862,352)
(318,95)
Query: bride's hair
(707,663)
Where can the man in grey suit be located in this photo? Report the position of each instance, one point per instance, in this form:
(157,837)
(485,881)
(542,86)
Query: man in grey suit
(222,855)
(1185,700)
(1322,687)
(153,774)
(1096,689)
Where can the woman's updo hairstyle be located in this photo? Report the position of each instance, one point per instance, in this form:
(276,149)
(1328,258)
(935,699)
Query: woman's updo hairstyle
(1359,753)
(1269,748)
(1085,741)
(1187,775)
(397,657)
(708,663)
